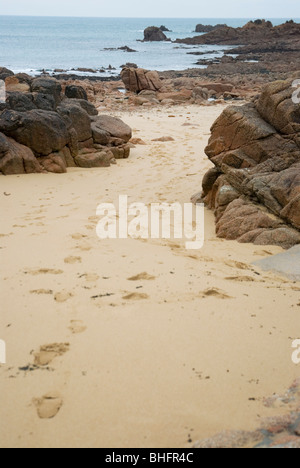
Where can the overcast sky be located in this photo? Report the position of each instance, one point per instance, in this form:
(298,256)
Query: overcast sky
(155,8)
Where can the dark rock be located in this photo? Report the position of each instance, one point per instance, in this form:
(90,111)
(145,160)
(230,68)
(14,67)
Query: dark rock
(129,65)
(43,132)
(100,136)
(127,49)
(154,34)
(86,106)
(16,158)
(20,102)
(78,117)
(49,86)
(115,127)
(76,92)
(201,28)
(164,29)
(5,72)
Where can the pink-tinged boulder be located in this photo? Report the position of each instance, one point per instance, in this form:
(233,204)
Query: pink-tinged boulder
(16,158)
(138,79)
(255,185)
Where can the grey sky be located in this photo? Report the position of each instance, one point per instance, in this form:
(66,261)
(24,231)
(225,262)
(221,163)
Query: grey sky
(155,8)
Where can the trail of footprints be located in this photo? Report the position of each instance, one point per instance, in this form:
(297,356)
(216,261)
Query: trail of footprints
(49,405)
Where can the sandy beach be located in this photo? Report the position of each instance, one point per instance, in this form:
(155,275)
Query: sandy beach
(130,343)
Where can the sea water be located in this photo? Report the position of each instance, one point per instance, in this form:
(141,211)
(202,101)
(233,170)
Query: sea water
(32,44)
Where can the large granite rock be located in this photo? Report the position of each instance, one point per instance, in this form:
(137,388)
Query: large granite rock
(113,127)
(255,185)
(138,79)
(76,92)
(16,158)
(43,132)
(48,86)
(76,117)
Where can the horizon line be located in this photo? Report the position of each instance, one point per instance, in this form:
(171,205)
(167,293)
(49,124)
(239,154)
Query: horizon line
(149,17)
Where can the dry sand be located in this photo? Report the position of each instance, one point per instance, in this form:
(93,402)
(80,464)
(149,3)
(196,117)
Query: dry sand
(150,362)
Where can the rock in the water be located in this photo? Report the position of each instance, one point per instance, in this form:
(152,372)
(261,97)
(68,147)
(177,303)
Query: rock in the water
(154,34)
(255,186)
(201,28)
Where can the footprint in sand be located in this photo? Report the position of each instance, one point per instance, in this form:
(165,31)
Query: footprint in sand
(72,260)
(42,291)
(135,297)
(78,236)
(214,292)
(77,326)
(90,277)
(63,296)
(84,247)
(142,277)
(240,278)
(238,265)
(43,271)
(47,353)
(48,405)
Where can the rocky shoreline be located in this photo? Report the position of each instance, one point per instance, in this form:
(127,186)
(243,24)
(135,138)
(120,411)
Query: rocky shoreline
(43,129)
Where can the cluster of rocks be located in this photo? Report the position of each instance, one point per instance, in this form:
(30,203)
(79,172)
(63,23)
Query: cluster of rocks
(264,49)
(42,129)
(151,89)
(254,187)
(254,32)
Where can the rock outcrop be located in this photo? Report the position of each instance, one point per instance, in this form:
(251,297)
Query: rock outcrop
(253,32)
(43,130)
(202,28)
(254,187)
(154,34)
(138,79)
